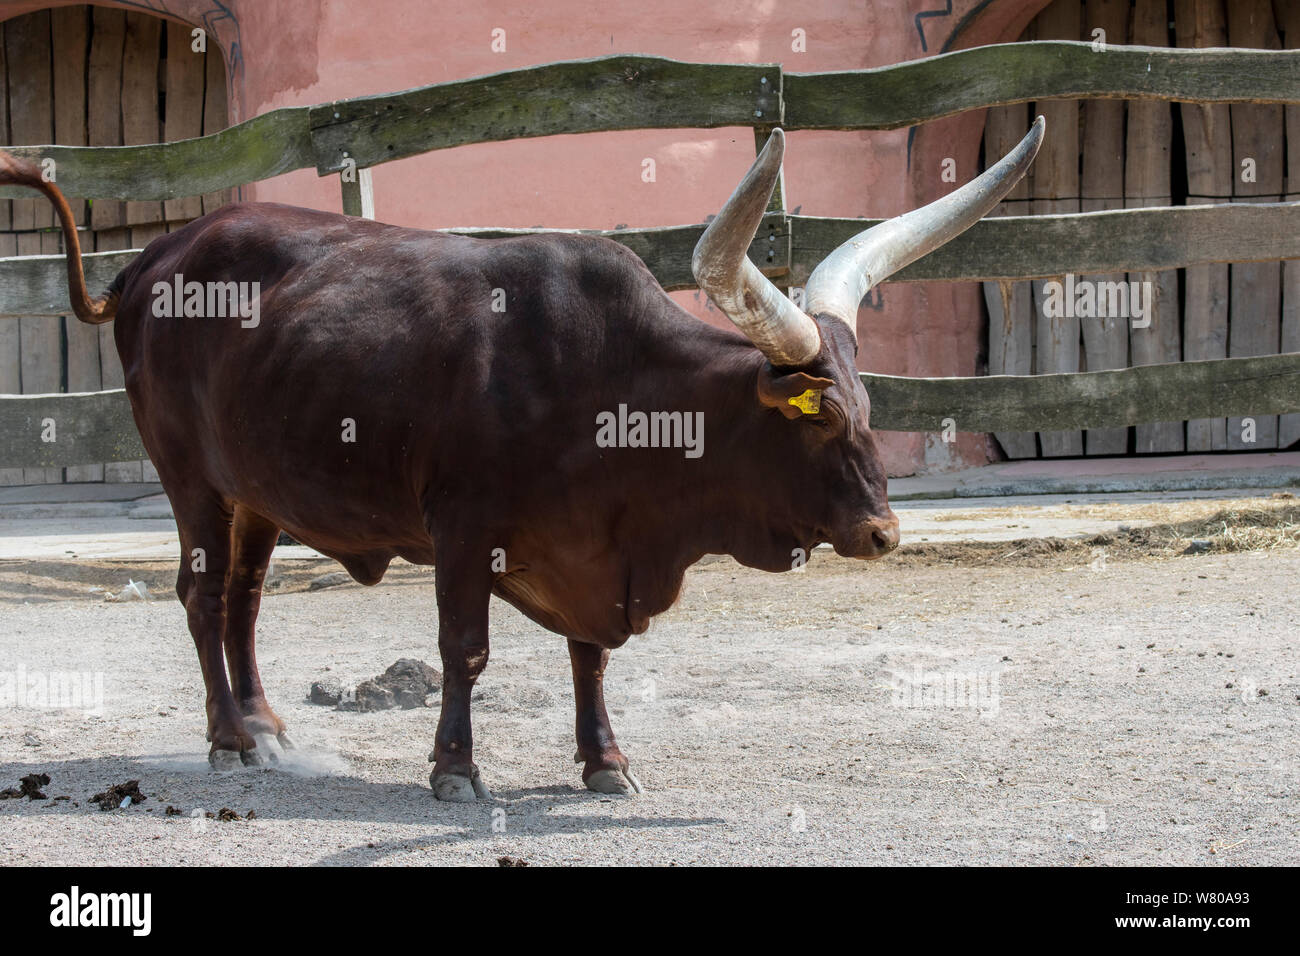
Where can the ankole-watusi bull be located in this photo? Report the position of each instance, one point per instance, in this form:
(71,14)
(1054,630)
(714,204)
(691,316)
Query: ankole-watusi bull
(382,405)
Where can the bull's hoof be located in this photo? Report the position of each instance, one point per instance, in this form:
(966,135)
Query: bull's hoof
(284,741)
(457,787)
(225,760)
(266,747)
(622,783)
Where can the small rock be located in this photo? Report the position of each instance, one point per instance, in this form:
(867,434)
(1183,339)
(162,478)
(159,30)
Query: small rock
(1197,546)
(326,692)
(511,861)
(331,580)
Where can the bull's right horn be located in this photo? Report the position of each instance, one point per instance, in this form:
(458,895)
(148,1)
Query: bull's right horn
(837,285)
(772,322)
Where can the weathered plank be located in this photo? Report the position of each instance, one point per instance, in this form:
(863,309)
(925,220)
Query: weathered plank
(266,146)
(1106,399)
(1207,134)
(71,26)
(578,96)
(1014,247)
(1157,338)
(1101,186)
(1055,191)
(1288,426)
(1010,304)
(6,205)
(110,366)
(11,371)
(184,107)
(215,114)
(103,120)
(358,193)
(71,32)
(31,97)
(623,92)
(1254,323)
(38,285)
(99,427)
(42,347)
(667,250)
(88,427)
(140,120)
(922,90)
(1024,247)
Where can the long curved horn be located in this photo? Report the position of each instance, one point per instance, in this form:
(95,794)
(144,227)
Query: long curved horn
(839,282)
(723,270)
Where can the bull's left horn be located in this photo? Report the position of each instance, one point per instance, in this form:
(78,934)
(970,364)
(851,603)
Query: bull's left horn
(723,270)
(837,285)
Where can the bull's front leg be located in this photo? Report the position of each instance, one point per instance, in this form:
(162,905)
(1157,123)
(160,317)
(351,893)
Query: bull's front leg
(605,769)
(464,586)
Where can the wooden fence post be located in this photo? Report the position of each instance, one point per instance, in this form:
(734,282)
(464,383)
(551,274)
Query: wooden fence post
(358,192)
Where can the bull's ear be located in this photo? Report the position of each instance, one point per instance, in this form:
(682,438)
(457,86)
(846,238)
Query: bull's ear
(793,395)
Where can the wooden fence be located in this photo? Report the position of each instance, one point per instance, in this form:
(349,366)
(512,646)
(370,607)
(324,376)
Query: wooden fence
(94,76)
(640,92)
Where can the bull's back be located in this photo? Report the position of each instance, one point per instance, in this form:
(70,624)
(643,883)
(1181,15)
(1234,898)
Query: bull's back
(384,361)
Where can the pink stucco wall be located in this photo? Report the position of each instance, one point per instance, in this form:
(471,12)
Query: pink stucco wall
(300,52)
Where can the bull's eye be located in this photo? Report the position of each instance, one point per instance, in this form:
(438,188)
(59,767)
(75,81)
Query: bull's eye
(831,416)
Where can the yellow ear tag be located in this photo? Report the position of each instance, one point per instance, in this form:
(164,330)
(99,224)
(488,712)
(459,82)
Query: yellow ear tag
(810,402)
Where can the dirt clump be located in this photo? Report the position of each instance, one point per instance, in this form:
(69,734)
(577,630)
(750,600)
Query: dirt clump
(112,798)
(29,786)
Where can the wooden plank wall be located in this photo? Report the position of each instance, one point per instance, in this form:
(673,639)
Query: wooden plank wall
(1147,182)
(1288,20)
(1129,156)
(1105,338)
(1055,189)
(1255,294)
(94,76)
(1011,304)
(1207,138)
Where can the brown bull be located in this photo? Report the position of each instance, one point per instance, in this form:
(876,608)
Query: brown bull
(474,404)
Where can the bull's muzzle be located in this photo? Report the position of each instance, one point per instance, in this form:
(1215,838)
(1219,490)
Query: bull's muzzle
(869,539)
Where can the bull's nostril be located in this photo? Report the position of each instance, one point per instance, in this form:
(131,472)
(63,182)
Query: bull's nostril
(880,541)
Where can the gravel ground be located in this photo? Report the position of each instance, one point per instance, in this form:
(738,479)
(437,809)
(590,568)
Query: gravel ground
(926,710)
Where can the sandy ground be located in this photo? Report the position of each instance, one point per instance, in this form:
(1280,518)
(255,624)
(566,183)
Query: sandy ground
(1011,703)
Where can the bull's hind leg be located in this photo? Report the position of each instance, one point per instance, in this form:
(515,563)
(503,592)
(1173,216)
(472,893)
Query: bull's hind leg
(204,525)
(605,769)
(252,541)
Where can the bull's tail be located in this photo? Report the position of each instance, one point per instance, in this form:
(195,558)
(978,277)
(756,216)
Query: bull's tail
(21,172)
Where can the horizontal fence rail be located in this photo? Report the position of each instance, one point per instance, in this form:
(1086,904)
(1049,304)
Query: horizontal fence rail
(97,426)
(1267,384)
(1010,247)
(642,92)
(649,92)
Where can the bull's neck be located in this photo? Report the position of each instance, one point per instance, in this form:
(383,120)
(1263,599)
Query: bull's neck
(722,501)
